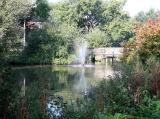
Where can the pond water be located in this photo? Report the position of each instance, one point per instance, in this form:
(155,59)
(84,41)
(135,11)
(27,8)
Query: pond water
(66,82)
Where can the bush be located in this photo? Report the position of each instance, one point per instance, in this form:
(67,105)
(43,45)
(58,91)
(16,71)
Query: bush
(133,90)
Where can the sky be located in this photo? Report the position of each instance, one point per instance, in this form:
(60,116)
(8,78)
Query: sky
(135,6)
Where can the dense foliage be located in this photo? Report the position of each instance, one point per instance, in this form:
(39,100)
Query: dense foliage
(10,35)
(147,39)
(10,30)
(100,23)
(142,17)
(132,93)
(107,18)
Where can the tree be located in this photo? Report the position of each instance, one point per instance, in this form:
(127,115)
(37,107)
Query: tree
(38,49)
(147,39)
(117,24)
(142,17)
(42,9)
(108,16)
(10,30)
(120,31)
(11,33)
(97,38)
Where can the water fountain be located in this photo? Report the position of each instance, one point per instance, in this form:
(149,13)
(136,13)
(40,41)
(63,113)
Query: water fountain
(81,52)
(81,86)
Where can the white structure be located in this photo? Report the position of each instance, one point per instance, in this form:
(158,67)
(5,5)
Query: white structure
(109,52)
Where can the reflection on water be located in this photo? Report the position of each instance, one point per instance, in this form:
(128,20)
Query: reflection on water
(63,78)
(67,82)
(82,85)
(54,109)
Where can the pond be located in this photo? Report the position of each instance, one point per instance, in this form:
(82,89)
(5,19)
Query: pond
(66,82)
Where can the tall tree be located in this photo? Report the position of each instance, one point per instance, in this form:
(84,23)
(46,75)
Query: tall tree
(38,49)
(144,16)
(147,39)
(10,30)
(108,16)
(11,33)
(41,10)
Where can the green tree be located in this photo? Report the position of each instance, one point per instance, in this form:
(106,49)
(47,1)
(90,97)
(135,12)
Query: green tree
(10,35)
(10,29)
(97,38)
(144,16)
(118,24)
(38,49)
(120,31)
(42,9)
(108,16)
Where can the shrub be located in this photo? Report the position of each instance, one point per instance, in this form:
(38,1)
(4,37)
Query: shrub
(132,90)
